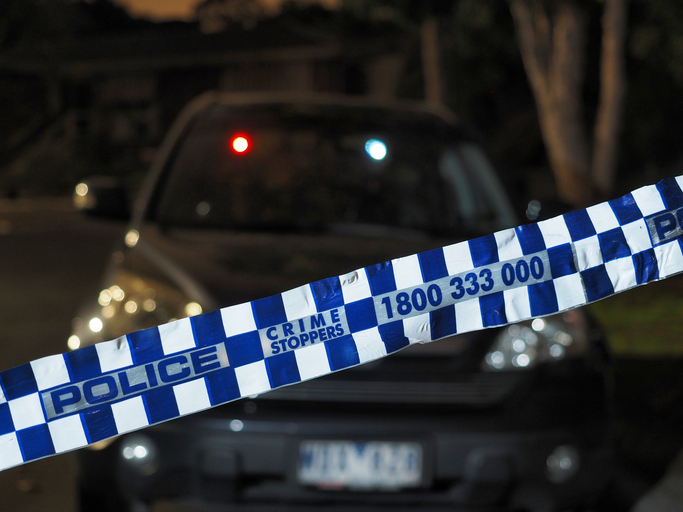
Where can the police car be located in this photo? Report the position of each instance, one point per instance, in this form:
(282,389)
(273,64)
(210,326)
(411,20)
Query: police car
(252,195)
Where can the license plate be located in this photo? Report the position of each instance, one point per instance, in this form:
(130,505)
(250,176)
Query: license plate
(360,466)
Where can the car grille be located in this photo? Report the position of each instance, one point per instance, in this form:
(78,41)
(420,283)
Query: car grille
(478,389)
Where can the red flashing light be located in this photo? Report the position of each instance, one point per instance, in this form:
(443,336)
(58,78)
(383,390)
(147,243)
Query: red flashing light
(240,144)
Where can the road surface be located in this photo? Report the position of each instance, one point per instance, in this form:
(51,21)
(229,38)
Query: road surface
(51,257)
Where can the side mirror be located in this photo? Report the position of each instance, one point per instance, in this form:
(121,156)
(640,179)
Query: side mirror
(103,197)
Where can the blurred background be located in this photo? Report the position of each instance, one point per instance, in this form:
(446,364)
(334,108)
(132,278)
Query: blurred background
(577,101)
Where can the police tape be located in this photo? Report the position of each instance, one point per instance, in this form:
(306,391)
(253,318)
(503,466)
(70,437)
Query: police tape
(65,402)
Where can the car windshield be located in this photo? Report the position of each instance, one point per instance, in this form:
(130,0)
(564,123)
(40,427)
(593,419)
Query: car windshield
(312,167)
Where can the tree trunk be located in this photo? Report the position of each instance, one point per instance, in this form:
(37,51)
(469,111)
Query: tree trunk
(552,52)
(552,48)
(612,88)
(431,61)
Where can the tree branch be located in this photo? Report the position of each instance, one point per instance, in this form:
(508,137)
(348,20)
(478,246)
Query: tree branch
(612,90)
(533,39)
(567,66)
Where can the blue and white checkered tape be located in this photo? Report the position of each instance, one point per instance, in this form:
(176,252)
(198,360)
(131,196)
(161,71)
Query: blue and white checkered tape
(64,402)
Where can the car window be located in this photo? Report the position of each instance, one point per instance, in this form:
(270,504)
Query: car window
(483,203)
(283,168)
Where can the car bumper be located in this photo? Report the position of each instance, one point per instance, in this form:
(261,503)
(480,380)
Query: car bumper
(253,462)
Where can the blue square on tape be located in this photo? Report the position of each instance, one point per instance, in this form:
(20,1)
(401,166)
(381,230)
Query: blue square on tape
(613,244)
(161,404)
(146,345)
(6,423)
(626,209)
(84,363)
(269,311)
(223,386)
(432,264)
(35,442)
(597,283)
(543,298)
(360,315)
(484,250)
(561,259)
(381,278)
(282,369)
(100,423)
(442,322)
(646,267)
(671,193)
(327,293)
(493,309)
(342,352)
(244,348)
(19,381)
(208,328)
(393,336)
(579,225)
(530,238)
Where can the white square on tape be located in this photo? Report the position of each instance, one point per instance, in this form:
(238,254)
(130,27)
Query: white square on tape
(369,345)
(50,371)
(299,302)
(312,361)
(252,378)
(517,305)
(458,258)
(554,231)
(602,216)
(177,336)
(468,316)
(649,200)
(238,319)
(67,433)
(637,236)
(129,415)
(417,328)
(114,354)
(10,453)
(407,271)
(622,273)
(508,244)
(679,180)
(588,253)
(192,396)
(669,259)
(569,291)
(355,286)
(26,411)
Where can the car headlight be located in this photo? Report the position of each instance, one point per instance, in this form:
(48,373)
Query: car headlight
(524,345)
(140,454)
(129,305)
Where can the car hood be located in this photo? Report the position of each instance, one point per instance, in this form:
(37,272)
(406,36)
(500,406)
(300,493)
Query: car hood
(222,268)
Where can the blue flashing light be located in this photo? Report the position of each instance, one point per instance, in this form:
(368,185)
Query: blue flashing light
(376,149)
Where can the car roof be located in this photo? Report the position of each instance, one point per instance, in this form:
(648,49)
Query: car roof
(224,98)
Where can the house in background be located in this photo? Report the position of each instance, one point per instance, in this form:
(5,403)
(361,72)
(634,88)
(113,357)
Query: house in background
(128,87)
(119,90)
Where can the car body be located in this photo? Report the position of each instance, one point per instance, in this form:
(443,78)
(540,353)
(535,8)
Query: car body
(253,195)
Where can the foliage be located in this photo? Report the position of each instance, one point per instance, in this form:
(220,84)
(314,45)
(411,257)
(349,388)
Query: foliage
(485,80)
(48,167)
(643,321)
(54,167)
(652,120)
